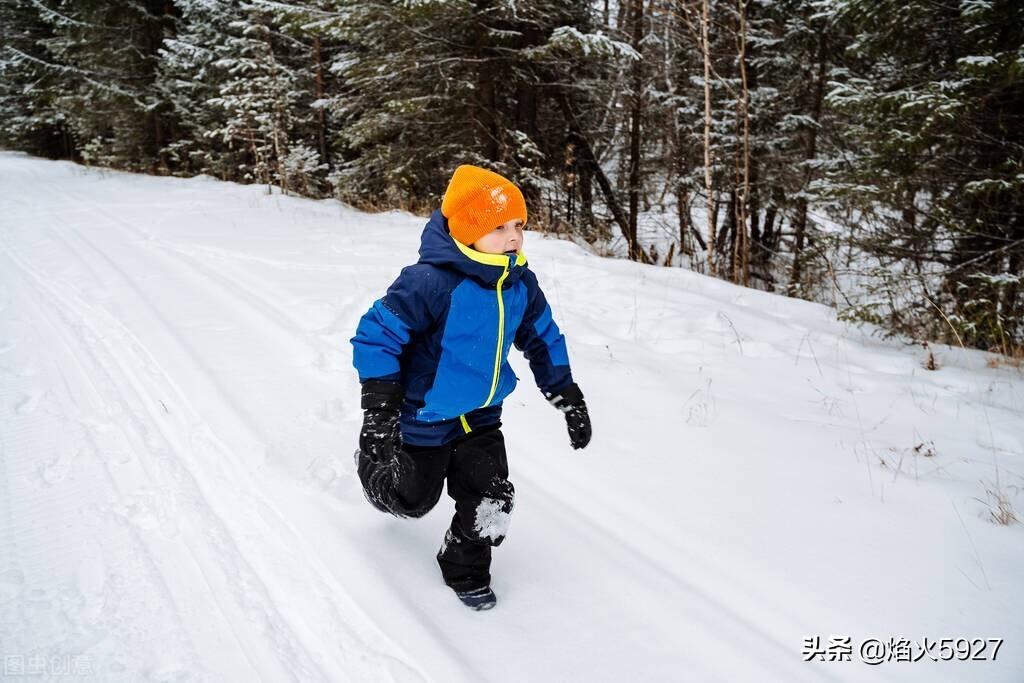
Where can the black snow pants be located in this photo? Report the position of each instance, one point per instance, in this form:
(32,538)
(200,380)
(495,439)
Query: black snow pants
(476,469)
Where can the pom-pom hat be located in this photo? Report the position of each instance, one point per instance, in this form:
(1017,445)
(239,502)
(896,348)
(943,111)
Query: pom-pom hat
(477,201)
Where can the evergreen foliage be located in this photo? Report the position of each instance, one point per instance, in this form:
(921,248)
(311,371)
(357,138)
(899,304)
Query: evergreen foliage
(869,150)
(933,131)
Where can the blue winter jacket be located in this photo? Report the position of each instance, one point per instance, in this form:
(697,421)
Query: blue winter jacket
(443,331)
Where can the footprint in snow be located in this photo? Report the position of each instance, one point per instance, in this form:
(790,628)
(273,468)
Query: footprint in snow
(321,473)
(28,404)
(12,583)
(57,469)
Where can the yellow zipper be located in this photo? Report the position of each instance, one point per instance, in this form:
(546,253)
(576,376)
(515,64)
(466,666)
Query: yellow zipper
(501,337)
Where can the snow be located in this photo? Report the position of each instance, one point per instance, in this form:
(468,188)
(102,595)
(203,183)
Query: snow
(178,500)
(977,60)
(492,520)
(570,38)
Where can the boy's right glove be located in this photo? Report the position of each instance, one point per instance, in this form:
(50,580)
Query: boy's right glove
(569,400)
(381,436)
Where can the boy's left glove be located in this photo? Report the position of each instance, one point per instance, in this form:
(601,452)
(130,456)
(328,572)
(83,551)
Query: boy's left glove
(569,400)
(381,436)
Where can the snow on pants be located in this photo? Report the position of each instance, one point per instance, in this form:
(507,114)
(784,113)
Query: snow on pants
(476,468)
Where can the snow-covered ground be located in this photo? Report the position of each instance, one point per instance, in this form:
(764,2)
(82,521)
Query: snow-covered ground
(178,413)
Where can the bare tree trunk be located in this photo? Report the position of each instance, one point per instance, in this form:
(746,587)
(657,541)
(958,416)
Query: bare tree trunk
(321,115)
(67,143)
(634,133)
(675,75)
(768,236)
(261,171)
(683,214)
(708,186)
(277,121)
(584,179)
(158,135)
(1011,303)
(800,220)
(570,183)
(760,257)
(715,206)
(588,158)
(741,255)
(526,109)
(485,97)
(727,240)
(620,17)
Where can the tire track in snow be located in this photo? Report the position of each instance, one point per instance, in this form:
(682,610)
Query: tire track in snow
(68,569)
(195,251)
(165,472)
(389,662)
(259,301)
(287,326)
(731,622)
(289,333)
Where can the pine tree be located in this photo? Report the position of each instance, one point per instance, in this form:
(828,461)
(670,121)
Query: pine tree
(245,117)
(935,132)
(189,80)
(101,58)
(27,118)
(425,86)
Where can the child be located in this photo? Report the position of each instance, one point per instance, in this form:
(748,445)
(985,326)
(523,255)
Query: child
(431,356)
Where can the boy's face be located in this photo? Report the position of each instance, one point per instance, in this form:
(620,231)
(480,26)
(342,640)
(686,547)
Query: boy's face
(504,239)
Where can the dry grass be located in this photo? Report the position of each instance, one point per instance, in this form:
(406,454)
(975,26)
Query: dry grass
(1013,357)
(999,507)
(929,363)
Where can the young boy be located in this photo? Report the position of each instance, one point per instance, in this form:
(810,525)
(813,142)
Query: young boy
(431,356)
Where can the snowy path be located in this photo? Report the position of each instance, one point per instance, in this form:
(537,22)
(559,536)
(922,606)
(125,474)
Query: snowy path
(178,501)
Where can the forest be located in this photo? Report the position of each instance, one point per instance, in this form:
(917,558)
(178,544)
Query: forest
(868,154)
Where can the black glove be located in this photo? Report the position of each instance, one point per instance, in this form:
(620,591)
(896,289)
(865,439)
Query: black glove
(381,437)
(569,400)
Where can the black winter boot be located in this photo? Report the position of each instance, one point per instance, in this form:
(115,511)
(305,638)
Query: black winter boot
(458,555)
(478,599)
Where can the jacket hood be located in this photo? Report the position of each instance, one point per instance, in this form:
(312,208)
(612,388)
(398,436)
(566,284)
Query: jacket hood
(439,248)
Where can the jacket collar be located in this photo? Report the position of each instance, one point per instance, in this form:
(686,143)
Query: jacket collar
(438,247)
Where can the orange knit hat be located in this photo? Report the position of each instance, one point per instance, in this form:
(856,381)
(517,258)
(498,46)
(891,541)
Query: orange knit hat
(477,201)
